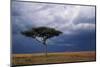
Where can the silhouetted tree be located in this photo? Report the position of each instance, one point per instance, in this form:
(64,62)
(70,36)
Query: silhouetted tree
(41,34)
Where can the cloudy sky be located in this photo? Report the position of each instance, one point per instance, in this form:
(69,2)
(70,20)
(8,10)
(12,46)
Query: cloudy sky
(76,22)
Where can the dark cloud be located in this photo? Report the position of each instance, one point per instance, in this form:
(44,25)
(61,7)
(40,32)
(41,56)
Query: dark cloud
(85,20)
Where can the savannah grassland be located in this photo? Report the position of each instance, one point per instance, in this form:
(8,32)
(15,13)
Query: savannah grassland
(63,57)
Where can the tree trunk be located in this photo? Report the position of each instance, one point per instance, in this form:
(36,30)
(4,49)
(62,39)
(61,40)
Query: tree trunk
(46,52)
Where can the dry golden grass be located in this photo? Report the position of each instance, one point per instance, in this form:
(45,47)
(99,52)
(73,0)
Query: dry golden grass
(40,58)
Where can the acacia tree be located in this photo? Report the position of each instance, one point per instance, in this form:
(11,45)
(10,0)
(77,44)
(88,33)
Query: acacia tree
(42,34)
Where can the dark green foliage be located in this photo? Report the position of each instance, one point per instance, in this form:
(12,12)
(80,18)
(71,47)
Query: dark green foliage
(44,32)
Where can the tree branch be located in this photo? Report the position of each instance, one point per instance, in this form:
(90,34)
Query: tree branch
(37,40)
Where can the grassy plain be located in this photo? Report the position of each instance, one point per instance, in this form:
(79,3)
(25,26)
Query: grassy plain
(61,57)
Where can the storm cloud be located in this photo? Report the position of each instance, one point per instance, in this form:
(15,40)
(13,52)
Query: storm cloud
(75,21)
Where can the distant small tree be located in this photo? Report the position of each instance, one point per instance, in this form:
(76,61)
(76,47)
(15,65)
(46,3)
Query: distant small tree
(41,34)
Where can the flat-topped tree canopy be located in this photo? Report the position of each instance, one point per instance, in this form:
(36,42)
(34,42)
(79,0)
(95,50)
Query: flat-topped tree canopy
(44,32)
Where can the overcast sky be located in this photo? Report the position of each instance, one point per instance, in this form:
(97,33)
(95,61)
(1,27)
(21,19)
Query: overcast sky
(76,22)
